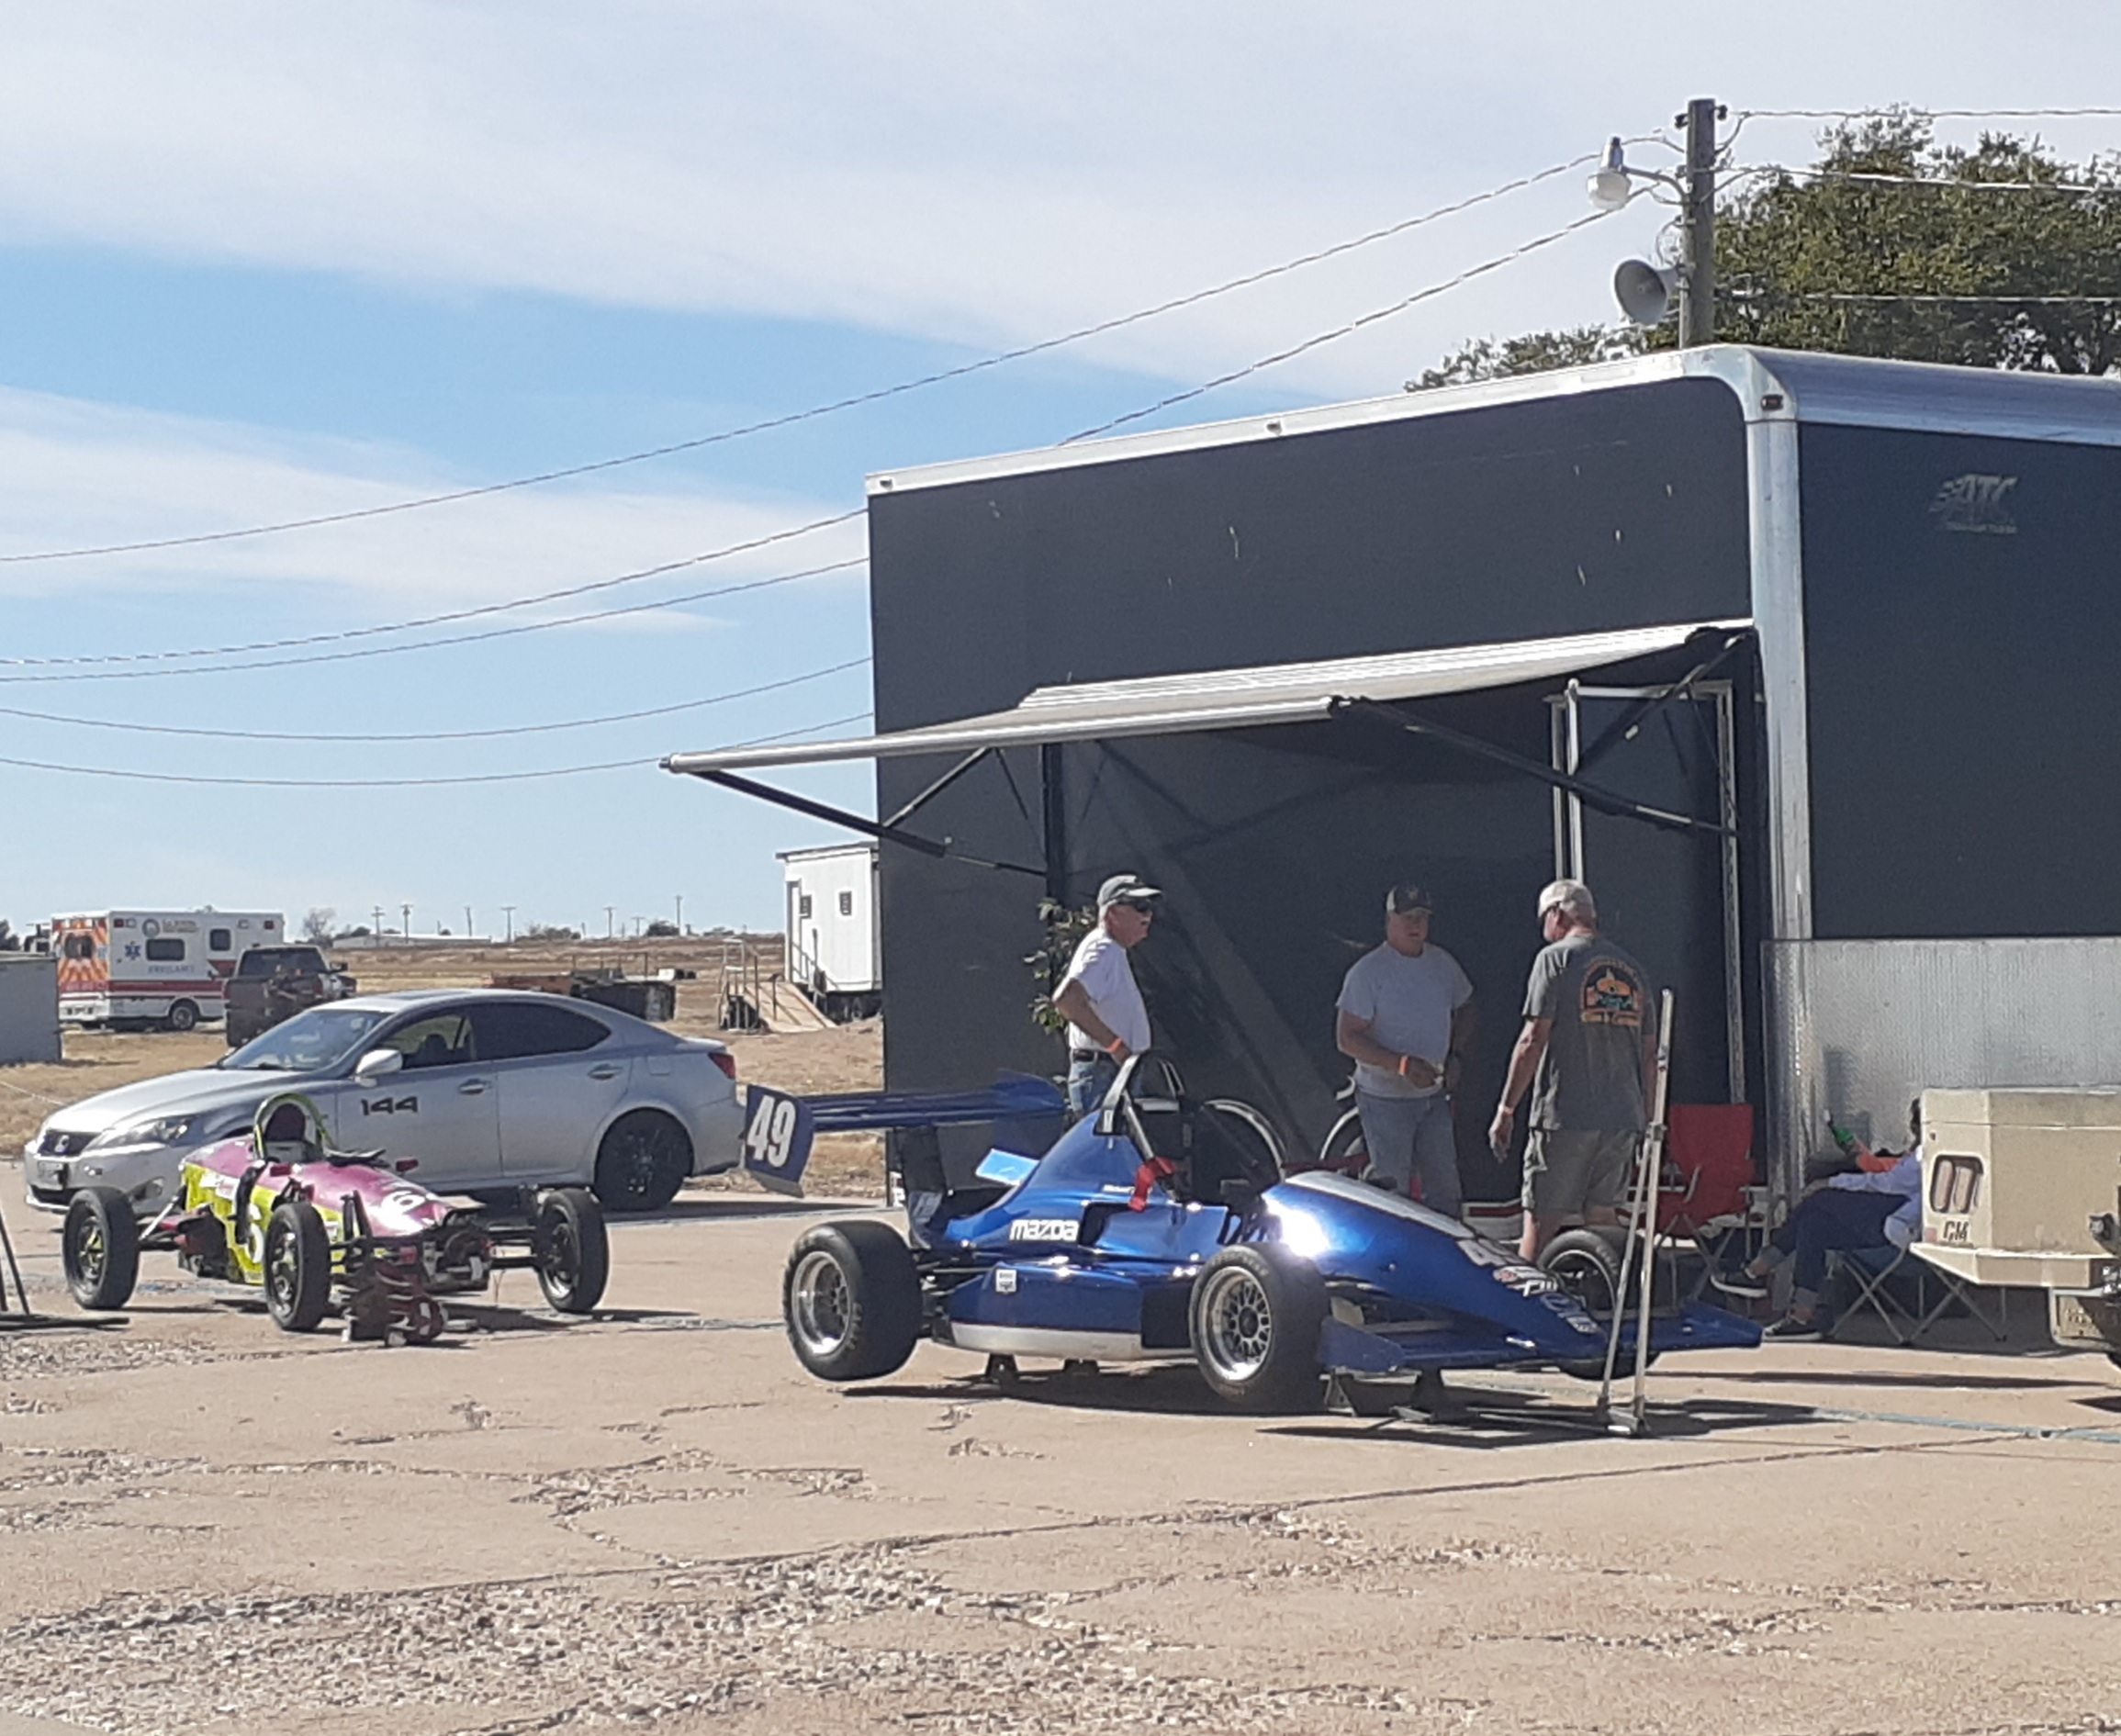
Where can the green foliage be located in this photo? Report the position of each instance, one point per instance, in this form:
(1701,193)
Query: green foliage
(1790,247)
(1064,932)
(1483,359)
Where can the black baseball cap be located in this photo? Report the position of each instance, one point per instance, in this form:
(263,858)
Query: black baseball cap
(1406,897)
(1125,888)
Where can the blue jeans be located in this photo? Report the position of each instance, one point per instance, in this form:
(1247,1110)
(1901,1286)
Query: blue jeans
(1830,1220)
(1087,1083)
(1413,1136)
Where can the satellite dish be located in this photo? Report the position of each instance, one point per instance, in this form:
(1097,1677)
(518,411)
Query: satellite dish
(1646,293)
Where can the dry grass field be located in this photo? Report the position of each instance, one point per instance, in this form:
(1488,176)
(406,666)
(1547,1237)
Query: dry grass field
(849,1058)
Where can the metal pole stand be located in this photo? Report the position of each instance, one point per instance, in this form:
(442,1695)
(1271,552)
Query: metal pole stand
(1639,1255)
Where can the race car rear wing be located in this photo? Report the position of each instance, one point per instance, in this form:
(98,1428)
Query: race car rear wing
(779,1127)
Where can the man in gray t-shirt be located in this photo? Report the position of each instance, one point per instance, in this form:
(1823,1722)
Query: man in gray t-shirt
(1584,1057)
(1405,1018)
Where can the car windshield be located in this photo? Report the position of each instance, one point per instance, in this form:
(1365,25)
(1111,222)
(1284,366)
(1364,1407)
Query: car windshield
(310,1042)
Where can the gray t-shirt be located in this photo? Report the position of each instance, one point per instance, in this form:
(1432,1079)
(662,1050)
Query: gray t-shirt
(1408,1003)
(1590,1079)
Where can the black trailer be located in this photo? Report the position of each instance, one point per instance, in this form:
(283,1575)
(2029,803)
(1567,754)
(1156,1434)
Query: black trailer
(1804,663)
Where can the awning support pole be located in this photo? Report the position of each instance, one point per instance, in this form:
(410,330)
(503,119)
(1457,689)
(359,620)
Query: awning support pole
(1604,800)
(1631,719)
(937,789)
(1054,816)
(881,830)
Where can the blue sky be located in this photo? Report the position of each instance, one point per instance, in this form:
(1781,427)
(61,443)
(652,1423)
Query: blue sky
(259,263)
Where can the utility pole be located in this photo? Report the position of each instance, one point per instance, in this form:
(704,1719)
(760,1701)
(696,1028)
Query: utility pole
(467,922)
(508,915)
(607,910)
(680,913)
(379,922)
(1697,224)
(405,921)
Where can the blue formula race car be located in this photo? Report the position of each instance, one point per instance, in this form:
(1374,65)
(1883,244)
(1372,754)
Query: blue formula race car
(1161,1229)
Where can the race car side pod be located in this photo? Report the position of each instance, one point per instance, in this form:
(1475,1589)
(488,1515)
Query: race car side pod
(1642,1244)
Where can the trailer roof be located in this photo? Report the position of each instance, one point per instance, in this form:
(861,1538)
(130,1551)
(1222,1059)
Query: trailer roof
(1228,699)
(1771,384)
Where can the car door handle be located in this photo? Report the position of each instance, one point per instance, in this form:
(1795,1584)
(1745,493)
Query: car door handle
(471,1087)
(604,1071)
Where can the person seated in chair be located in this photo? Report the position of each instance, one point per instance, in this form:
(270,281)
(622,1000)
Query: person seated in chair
(1878,1205)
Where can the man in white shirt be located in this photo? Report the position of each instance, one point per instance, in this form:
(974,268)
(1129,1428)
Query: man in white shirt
(1099,998)
(1405,1019)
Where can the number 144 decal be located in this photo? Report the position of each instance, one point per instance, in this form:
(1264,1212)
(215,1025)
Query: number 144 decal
(390,1105)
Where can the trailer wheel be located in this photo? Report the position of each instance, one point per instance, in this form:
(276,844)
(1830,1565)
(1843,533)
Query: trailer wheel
(641,1162)
(100,1248)
(1586,1263)
(297,1266)
(851,1299)
(1255,1317)
(574,1255)
(182,1016)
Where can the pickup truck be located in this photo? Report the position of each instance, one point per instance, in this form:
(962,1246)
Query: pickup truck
(273,983)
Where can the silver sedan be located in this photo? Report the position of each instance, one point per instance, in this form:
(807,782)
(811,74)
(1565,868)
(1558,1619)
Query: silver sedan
(489,1089)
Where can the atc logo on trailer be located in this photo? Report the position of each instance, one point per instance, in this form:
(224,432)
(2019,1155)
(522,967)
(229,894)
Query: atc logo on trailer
(153,966)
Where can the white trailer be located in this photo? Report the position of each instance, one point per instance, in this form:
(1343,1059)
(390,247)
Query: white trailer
(153,966)
(834,949)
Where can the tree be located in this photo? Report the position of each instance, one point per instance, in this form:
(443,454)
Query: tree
(1827,260)
(662,929)
(317,925)
(551,930)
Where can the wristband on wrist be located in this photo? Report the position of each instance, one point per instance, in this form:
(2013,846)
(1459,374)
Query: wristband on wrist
(1401,1070)
(1112,1047)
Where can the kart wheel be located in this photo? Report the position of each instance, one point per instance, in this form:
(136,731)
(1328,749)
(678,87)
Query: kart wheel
(424,1320)
(574,1255)
(1255,1317)
(297,1266)
(1587,1264)
(851,1298)
(643,1161)
(182,1016)
(100,1248)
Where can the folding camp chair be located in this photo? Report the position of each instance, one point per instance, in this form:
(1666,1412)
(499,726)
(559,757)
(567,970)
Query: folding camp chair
(1706,1195)
(1881,1274)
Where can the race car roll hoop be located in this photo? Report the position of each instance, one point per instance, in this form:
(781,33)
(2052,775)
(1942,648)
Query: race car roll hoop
(1159,1228)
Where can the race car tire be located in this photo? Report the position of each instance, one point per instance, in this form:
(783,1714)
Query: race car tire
(574,1254)
(100,1248)
(1586,1263)
(297,1266)
(642,1161)
(1254,1316)
(181,1017)
(851,1301)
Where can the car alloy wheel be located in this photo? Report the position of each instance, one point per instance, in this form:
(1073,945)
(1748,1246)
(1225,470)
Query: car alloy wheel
(819,1312)
(1238,1320)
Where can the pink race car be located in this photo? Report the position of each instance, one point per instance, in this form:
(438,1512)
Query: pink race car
(276,1209)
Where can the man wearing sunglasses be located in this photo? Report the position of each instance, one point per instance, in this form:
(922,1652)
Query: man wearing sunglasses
(1099,998)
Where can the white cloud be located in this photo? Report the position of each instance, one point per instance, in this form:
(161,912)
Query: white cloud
(986,172)
(75,474)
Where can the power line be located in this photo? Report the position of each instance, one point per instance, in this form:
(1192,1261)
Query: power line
(431,736)
(1344,331)
(2005,301)
(1930,114)
(453,639)
(793,417)
(455,615)
(401,783)
(2110,188)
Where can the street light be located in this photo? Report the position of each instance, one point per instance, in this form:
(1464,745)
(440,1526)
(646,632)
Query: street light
(1647,292)
(1611,185)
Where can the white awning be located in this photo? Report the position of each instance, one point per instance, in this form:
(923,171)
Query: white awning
(1228,699)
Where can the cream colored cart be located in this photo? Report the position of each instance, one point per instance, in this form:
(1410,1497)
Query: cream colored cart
(2024,1188)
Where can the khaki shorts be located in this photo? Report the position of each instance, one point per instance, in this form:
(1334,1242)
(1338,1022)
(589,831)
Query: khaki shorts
(1568,1173)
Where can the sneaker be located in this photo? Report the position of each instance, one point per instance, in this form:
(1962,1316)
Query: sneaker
(1792,1330)
(1739,1283)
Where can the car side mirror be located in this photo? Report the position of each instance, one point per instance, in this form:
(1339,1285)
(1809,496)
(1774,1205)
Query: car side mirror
(375,1063)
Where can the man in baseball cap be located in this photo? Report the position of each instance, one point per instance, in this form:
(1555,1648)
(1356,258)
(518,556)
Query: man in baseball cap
(1099,998)
(1405,1019)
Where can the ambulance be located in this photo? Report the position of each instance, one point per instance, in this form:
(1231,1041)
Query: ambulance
(153,966)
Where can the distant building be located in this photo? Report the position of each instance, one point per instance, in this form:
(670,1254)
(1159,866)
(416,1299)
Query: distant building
(832,928)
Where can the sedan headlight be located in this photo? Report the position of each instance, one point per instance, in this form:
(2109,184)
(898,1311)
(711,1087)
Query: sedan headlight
(162,1130)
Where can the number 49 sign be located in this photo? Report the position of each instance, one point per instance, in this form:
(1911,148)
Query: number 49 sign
(777,1136)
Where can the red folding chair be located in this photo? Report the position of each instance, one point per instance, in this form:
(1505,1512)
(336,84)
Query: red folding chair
(1702,1194)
